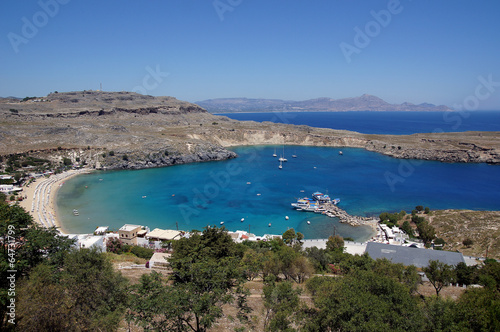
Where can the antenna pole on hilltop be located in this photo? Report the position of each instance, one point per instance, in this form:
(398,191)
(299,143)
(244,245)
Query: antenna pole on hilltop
(100,87)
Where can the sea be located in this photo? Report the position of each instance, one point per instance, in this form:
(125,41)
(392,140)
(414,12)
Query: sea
(251,193)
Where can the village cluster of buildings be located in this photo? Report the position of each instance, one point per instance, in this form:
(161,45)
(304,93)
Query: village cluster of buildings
(407,254)
(139,235)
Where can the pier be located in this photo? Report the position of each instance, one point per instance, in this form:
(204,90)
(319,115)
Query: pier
(333,211)
(321,203)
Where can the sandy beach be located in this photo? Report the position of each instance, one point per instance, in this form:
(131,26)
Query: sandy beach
(41,194)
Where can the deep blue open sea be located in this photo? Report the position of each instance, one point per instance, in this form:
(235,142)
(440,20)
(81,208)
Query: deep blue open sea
(395,123)
(252,187)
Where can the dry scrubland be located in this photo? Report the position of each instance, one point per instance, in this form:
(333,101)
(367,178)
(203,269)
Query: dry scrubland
(482,227)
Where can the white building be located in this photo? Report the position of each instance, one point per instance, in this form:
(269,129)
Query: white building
(163,235)
(9,189)
(88,241)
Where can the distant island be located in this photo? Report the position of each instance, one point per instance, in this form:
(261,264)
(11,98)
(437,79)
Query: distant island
(362,103)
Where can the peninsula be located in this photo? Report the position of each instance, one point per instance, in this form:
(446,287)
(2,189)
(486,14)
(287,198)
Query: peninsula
(126,130)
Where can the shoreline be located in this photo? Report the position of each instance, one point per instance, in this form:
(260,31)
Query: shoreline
(42,205)
(41,198)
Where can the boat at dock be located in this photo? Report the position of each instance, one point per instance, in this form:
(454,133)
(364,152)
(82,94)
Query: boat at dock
(321,198)
(321,203)
(302,203)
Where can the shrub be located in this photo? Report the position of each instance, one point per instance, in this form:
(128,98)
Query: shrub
(468,242)
(114,245)
(142,252)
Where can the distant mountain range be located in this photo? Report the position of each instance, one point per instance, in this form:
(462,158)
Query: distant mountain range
(362,103)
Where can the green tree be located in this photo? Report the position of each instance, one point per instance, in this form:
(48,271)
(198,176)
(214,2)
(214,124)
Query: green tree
(289,236)
(465,274)
(439,274)
(86,292)
(335,243)
(156,306)
(478,309)
(407,229)
(252,263)
(293,239)
(439,314)
(318,258)
(206,273)
(301,269)
(29,245)
(271,265)
(426,232)
(43,304)
(287,256)
(281,302)
(489,274)
(363,301)
(406,275)
(43,245)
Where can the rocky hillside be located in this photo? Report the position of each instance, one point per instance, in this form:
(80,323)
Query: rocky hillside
(362,103)
(128,130)
(107,129)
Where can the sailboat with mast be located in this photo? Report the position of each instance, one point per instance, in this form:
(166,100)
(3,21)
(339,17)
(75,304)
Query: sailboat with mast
(282,158)
(274,154)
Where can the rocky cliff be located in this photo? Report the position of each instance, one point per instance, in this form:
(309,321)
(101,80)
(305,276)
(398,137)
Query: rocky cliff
(117,130)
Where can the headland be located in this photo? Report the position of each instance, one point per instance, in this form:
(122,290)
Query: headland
(124,130)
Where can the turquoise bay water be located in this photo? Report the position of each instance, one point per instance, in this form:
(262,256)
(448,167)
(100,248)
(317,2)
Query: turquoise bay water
(196,195)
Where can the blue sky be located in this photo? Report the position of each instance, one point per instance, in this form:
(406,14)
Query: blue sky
(440,52)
